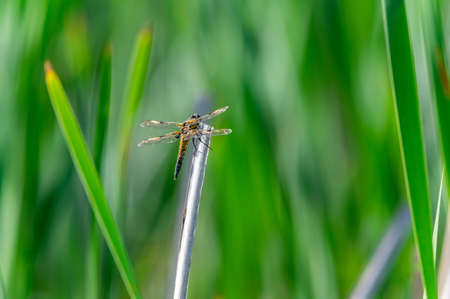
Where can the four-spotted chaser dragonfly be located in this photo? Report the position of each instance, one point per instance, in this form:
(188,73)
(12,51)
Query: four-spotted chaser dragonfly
(187,130)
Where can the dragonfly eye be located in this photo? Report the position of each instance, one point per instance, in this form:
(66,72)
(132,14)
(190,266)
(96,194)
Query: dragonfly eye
(195,115)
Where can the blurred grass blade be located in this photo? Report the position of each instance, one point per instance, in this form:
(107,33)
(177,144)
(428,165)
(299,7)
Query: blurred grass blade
(436,225)
(436,218)
(89,178)
(132,99)
(442,95)
(384,258)
(410,133)
(441,84)
(103,105)
(2,287)
(93,262)
(444,265)
(93,281)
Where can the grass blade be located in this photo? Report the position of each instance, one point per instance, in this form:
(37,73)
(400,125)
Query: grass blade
(132,99)
(436,225)
(410,132)
(436,218)
(444,264)
(89,178)
(103,106)
(94,250)
(93,262)
(441,84)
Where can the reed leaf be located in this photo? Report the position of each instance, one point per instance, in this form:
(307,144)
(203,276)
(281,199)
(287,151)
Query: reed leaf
(132,99)
(89,178)
(101,124)
(409,126)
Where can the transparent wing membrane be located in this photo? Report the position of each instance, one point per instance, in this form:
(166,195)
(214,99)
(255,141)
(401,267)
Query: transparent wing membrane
(169,138)
(215,132)
(186,130)
(159,124)
(213,114)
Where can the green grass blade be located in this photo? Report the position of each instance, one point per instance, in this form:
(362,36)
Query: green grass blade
(103,106)
(410,132)
(441,84)
(94,250)
(89,178)
(132,99)
(436,218)
(93,262)
(436,223)
(442,95)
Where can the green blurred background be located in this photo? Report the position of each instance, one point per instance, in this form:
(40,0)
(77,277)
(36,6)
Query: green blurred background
(295,200)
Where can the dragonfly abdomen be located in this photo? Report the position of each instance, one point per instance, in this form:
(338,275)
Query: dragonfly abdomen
(181,151)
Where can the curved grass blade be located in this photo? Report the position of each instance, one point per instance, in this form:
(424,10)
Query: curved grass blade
(94,250)
(409,126)
(89,178)
(132,99)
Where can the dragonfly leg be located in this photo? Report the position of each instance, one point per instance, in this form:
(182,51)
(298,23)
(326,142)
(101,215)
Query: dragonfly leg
(200,139)
(194,143)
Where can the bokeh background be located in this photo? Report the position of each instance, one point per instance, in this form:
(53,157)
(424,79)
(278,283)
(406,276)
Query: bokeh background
(295,200)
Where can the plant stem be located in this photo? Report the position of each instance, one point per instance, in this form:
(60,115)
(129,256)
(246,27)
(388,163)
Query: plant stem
(192,203)
(382,260)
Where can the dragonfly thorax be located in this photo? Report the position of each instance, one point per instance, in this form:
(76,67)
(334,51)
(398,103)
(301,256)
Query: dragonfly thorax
(194,126)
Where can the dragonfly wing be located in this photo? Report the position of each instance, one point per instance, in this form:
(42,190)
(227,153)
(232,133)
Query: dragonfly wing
(213,114)
(215,132)
(159,124)
(168,138)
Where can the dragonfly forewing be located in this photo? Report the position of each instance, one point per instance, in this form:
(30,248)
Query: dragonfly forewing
(160,124)
(215,132)
(213,114)
(168,138)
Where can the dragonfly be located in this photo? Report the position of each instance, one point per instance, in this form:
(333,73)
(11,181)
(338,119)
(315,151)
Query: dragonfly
(186,131)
